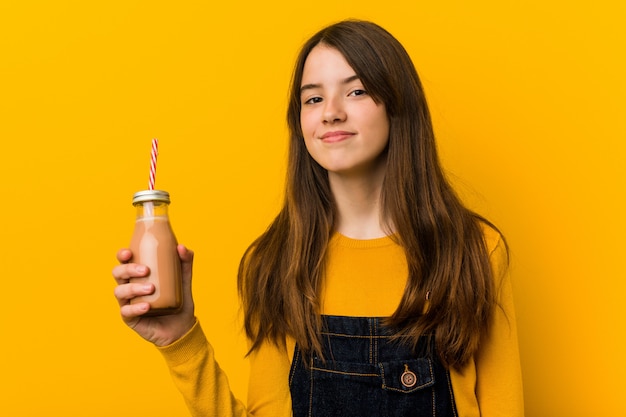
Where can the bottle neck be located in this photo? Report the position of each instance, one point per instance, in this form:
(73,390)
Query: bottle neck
(152,209)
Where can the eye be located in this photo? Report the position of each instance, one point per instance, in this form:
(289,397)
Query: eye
(358,92)
(313,100)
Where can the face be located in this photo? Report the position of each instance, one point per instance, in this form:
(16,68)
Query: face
(344,129)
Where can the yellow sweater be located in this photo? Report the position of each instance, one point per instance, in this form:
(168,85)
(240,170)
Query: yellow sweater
(364,278)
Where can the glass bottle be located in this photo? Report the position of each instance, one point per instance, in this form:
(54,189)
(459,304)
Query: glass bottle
(153,244)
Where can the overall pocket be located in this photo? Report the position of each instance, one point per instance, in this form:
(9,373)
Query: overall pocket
(407,376)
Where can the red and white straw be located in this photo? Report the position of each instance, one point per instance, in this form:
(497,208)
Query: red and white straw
(153,161)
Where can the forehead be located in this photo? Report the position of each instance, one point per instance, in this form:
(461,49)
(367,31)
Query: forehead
(325,63)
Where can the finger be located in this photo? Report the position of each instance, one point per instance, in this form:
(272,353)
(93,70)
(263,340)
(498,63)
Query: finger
(125,292)
(133,311)
(124,255)
(123,272)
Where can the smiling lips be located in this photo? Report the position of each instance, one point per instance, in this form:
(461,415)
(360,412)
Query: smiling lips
(336,136)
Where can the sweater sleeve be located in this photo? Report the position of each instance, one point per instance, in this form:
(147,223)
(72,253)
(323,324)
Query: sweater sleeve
(199,378)
(205,387)
(499,388)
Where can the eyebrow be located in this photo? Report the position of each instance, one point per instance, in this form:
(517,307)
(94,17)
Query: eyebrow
(313,86)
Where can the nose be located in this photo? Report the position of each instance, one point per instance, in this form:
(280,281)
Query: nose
(333,111)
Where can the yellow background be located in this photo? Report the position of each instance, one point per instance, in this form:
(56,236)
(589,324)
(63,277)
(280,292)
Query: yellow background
(528,99)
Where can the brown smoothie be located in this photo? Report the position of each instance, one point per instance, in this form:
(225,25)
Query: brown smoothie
(153,244)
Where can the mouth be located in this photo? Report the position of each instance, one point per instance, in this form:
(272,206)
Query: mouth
(336,136)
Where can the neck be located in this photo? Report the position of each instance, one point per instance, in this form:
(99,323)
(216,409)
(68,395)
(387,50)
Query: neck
(358,205)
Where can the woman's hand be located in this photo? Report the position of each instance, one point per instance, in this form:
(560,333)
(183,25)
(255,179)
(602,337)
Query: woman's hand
(160,330)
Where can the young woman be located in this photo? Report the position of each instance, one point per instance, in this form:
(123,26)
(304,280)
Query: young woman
(374,292)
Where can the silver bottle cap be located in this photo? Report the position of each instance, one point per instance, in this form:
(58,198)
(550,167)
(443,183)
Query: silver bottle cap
(151,195)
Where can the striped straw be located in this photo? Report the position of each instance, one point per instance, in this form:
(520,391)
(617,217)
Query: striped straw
(153,161)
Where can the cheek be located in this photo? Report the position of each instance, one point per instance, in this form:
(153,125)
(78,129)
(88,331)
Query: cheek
(306,125)
(384,127)
(306,133)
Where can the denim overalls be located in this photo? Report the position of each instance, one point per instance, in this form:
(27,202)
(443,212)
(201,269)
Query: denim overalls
(367,374)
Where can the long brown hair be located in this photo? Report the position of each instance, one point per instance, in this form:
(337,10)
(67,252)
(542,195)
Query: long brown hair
(280,275)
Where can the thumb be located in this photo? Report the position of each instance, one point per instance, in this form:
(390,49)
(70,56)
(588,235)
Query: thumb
(186,260)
